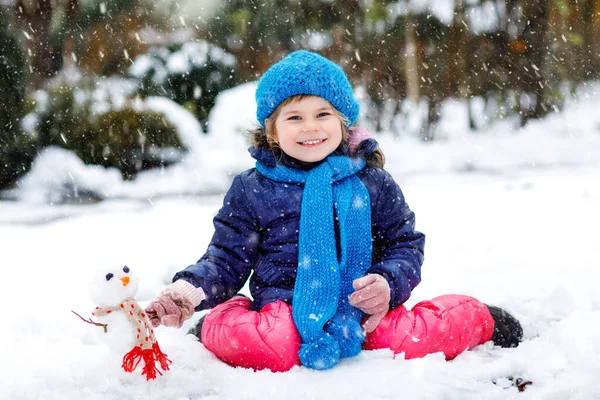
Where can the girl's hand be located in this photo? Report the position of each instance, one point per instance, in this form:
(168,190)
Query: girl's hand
(371,296)
(174,305)
(169,309)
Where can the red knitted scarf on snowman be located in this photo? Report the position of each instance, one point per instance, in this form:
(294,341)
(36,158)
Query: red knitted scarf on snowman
(146,347)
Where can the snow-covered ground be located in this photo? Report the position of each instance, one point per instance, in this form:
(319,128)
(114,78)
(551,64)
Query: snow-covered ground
(511,217)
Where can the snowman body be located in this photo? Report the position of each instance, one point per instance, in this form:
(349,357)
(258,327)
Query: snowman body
(120,334)
(108,290)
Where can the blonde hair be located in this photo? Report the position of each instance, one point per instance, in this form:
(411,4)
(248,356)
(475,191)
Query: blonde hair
(265,137)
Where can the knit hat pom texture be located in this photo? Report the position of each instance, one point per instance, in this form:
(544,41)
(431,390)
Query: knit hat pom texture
(304,72)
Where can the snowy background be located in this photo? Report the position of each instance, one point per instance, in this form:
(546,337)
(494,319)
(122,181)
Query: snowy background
(511,217)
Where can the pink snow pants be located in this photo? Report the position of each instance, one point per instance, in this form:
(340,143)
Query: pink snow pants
(268,339)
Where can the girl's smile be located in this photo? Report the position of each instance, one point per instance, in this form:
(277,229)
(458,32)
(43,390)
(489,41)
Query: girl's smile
(312,143)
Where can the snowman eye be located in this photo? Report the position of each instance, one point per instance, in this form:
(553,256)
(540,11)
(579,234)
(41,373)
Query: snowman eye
(126,269)
(109,276)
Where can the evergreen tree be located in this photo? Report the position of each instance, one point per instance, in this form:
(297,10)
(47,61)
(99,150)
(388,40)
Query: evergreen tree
(16,148)
(191,74)
(261,32)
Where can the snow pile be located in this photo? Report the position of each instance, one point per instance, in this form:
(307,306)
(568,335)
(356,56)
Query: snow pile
(187,126)
(57,170)
(153,63)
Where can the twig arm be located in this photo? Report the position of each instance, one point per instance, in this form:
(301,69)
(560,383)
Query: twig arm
(89,321)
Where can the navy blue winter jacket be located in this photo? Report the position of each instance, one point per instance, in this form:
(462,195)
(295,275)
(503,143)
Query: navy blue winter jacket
(256,230)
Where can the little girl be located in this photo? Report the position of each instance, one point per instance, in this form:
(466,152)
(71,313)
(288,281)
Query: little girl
(327,240)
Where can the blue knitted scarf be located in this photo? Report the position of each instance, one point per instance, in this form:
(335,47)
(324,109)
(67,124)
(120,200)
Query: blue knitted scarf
(328,324)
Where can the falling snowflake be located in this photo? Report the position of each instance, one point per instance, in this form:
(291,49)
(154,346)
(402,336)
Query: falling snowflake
(315,318)
(316,284)
(358,202)
(305,263)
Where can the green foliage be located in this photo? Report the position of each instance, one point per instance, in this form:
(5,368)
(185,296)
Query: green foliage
(60,115)
(12,75)
(16,148)
(17,151)
(575,39)
(562,7)
(252,29)
(270,24)
(128,138)
(103,11)
(202,71)
(377,12)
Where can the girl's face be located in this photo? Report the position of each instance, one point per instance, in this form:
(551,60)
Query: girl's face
(308,129)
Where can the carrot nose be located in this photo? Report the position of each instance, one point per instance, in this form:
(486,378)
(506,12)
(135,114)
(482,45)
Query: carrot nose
(125,280)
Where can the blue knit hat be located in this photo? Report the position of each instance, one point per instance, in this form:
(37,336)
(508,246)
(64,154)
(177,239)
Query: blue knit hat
(303,72)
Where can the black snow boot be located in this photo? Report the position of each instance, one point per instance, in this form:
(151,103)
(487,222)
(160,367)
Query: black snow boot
(196,330)
(507,329)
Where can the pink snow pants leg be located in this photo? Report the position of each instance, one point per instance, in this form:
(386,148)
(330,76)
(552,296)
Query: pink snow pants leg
(268,339)
(252,339)
(450,324)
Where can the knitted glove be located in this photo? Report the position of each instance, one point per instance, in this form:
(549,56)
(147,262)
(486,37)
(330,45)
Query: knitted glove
(175,304)
(371,296)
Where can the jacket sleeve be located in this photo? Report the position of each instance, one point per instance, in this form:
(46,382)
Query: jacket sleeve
(225,267)
(397,247)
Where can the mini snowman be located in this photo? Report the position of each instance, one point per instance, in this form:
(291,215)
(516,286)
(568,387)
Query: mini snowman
(127,329)
(108,289)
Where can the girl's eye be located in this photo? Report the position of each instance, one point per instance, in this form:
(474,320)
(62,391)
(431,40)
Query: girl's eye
(109,276)
(126,269)
(294,118)
(323,114)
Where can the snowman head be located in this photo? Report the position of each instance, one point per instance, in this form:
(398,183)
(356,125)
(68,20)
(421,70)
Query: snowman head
(110,286)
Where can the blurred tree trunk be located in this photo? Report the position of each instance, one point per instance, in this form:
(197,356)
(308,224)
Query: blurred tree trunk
(588,13)
(68,48)
(411,67)
(111,42)
(534,37)
(594,34)
(455,81)
(571,26)
(35,17)
(347,34)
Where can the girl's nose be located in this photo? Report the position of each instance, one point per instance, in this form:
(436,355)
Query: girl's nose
(310,125)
